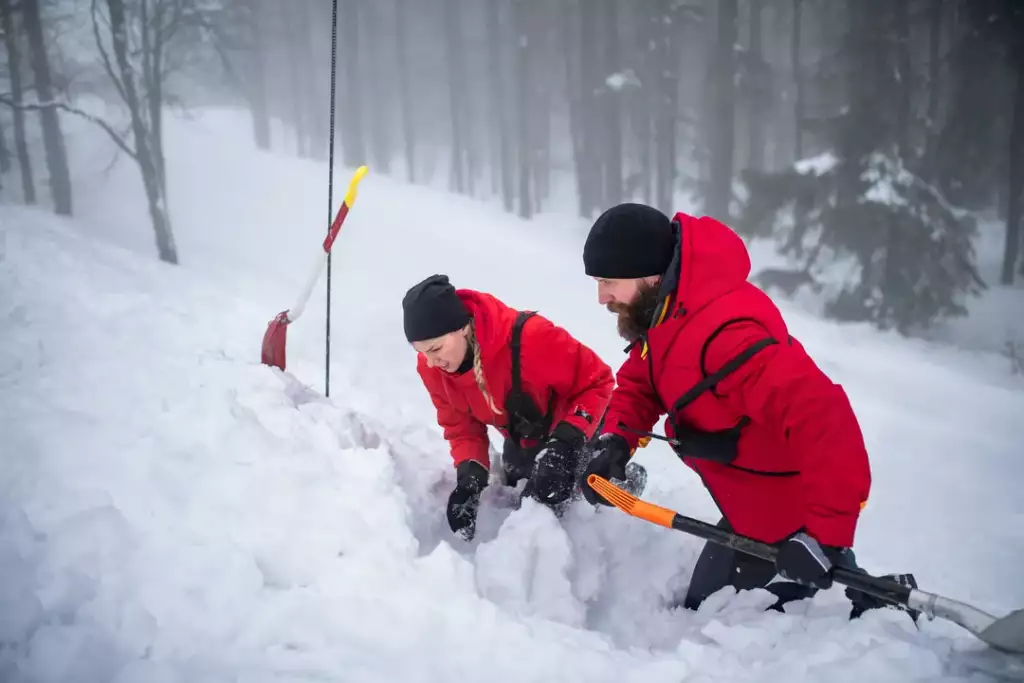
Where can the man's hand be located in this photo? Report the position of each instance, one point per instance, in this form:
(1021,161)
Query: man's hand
(804,560)
(609,461)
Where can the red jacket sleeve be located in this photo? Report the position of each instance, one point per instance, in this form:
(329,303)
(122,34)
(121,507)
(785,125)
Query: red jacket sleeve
(466,436)
(583,383)
(782,386)
(633,403)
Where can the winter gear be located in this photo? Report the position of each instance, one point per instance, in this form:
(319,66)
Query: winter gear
(629,241)
(555,475)
(517,462)
(862,602)
(802,559)
(464,500)
(275,339)
(774,440)
(1004,633)
(611,453)
(557,372)
(719,566)
(431,308)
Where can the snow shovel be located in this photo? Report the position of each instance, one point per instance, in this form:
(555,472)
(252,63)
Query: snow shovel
(1003,633)
(276,336)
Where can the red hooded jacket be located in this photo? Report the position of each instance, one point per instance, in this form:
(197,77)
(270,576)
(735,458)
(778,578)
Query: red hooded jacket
(800,460)
(552,364)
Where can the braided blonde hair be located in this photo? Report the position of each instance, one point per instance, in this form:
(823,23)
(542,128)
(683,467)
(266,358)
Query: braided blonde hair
(478,368)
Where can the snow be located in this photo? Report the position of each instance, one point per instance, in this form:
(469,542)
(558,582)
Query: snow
(818,165)
(171,510)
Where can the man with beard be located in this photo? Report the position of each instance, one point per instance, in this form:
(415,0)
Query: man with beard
(774,440)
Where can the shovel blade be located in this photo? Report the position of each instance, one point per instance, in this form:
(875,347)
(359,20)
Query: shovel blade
(275,340)
(1006,633)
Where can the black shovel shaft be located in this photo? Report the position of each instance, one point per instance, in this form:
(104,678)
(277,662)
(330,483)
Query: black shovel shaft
(890,591)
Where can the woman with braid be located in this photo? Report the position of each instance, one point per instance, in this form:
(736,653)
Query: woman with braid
(485,363)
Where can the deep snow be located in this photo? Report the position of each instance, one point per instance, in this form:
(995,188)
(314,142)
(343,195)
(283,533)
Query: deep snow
(173,511)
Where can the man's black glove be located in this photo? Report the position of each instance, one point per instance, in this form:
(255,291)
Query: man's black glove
(554,476)
(609,461)
(471,478)
(804,560)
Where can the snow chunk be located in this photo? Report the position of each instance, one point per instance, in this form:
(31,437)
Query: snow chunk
(526,569)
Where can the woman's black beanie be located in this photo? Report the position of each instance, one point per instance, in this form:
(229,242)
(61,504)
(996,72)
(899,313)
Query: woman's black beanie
(432,308)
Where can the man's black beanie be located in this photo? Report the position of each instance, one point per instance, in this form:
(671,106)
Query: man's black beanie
(432,308)
(629,241)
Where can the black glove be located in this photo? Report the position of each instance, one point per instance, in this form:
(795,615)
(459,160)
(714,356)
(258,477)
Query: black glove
(516,462)
(464,499)
(554,476)
(804,560)
(610,457)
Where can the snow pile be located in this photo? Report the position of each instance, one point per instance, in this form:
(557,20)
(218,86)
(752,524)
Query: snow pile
(170,510)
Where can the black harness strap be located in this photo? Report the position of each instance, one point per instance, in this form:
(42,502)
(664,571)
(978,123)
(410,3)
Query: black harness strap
(711,381)
(517,336)
(524,419)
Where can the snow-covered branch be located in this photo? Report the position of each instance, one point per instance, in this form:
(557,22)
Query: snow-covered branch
(118,139)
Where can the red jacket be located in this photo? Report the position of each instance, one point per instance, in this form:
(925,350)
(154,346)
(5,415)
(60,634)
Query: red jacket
(801,460)
(552,362)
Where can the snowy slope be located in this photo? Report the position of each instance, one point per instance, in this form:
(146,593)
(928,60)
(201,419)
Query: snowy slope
(173,511)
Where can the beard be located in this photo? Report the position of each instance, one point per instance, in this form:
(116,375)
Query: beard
(634,319)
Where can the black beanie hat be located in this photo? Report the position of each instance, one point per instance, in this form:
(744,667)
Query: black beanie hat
(432,308)
(629,241)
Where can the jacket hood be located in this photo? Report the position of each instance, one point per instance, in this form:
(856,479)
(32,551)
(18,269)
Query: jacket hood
(493,319)
(713,260)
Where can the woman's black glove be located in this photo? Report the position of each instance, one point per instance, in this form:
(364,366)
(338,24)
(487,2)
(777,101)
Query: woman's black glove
(471,478)
(554,476)
(610,457)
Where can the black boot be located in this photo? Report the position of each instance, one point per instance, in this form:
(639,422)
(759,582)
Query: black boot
(862,602)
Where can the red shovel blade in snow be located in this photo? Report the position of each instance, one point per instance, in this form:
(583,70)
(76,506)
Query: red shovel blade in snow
(275,340)
(276,336)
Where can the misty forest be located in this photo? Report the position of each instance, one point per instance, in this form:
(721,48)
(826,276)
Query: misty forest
(869,141)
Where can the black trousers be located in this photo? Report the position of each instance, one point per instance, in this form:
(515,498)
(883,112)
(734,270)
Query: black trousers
(718,567)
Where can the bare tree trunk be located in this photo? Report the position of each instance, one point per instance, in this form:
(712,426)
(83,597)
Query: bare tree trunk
(257,79)
(294,36)
(496,38)
(723,143)
(456,94)
(643,110)
(574,96)
(404,87)
(590,123)
(316,94)
(5,152)
(540,101)
(1014,207)
(143,145)
(152,78)
(798,83)
(28,185)
(522,110)
(53,138)
(376,94)
(901,50)
(611,108)
(351,95)
(667,27)
(758,101)
(934,64)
